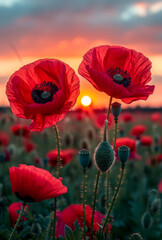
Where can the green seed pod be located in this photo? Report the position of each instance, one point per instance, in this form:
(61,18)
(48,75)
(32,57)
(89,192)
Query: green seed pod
(156,205)
(146,220)
(123,153)
(84,158)
(104,156)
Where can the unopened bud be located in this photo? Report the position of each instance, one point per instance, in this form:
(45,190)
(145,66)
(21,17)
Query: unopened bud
(116,109)
(84,158)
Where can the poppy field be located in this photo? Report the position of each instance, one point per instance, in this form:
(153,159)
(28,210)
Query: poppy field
(86,173)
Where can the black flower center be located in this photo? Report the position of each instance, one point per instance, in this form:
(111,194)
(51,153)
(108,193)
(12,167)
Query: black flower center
(44,92)
(119,76)
(27,198)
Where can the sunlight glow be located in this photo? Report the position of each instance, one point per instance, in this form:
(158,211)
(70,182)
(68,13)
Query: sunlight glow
(86,101)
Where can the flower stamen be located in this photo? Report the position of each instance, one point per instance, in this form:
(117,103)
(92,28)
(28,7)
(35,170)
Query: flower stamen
(119,76)
(44,92)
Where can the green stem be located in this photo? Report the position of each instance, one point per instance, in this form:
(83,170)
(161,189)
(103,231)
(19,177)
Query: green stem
(115,137)
(54,222)
(84,224)
(112,203)
(108,112)
(49,227)
(94,203)
(58,148)
(108,196)
(18,220)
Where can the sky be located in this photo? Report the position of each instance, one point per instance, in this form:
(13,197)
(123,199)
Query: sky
(66,30)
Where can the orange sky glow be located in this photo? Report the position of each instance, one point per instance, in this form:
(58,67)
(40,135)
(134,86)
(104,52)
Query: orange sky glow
(68,32)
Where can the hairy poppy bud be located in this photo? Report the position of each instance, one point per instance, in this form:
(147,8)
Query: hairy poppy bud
(116,109)
(146,220)
(104,156)
(123,153)
(84,158)
(155,206)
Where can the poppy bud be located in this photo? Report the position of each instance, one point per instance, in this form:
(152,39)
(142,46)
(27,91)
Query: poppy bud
(155,206)
(104,156)
(84,158)
(146,220)
(116,109)
(123,153)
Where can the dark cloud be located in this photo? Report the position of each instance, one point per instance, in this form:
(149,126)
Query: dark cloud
(31,25)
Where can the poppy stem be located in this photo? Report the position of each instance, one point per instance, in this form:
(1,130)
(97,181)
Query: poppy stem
(108,112)
(108,174)
(84,224)
(107,119)
(58,149)
(113,201)
(54,221)
(94,203)
(116,128)
(18,220)
(49,227)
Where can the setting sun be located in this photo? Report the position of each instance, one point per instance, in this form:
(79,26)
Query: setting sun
(86,101)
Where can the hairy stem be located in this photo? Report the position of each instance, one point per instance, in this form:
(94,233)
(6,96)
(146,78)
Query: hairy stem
(58,149)
(18,220)
(113,201)
(94,202)
(54,222)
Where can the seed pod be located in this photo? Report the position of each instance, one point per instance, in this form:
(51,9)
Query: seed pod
(116,109)
(84,158)
(123,153)
(146,220)
(104,156)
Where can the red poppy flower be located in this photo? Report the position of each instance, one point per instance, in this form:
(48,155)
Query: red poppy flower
(155,117)
(75,212)
(119,72)
(131,143)
(138,130)
(159,158)
(127,117)
(146,141)
(4,139)
(99,120)
(43,91)
(12,210)
(66,156)
(160,187)
(29,146)
(32,184)
(20,130)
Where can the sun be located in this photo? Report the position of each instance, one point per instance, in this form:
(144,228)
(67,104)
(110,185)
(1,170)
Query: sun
(86,101)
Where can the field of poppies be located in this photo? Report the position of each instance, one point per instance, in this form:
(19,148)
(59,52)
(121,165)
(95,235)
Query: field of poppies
(83,174)
(137,208)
